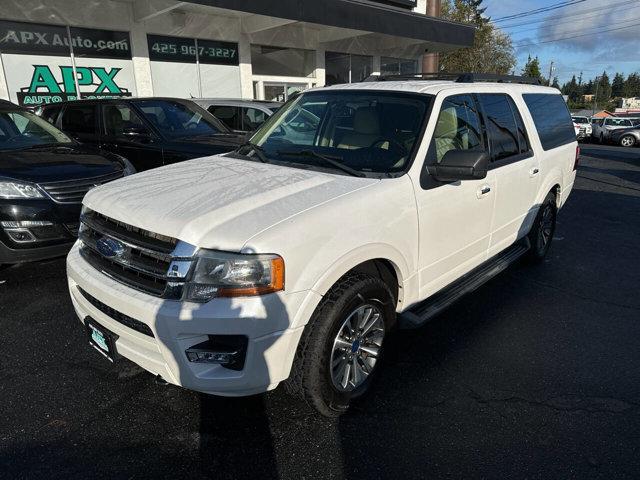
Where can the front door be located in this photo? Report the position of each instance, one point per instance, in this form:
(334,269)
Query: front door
(455,218)
(126,134)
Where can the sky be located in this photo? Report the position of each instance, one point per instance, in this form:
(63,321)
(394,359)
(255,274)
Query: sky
(591,52)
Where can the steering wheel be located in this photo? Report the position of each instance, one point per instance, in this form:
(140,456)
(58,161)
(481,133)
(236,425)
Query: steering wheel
(399,147)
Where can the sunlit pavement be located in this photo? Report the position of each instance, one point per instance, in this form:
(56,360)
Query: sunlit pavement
(535,375)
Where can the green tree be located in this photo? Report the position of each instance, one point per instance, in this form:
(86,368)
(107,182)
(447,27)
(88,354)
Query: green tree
(555,83)
(632,86)
(603,90)
(617,86)
(492,50)
(532,68)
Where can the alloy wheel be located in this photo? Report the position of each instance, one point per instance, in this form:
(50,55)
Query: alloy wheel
(357,347)
(627,141)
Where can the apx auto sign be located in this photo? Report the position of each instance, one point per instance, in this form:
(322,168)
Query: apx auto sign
(47,86)
(38,66)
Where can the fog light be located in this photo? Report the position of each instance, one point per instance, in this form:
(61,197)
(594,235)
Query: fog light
(228,351)
(21,236)
(203,356)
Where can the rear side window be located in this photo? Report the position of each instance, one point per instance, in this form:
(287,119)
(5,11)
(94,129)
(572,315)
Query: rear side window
(228,115)
(501,126)
(552,119)
(79,119)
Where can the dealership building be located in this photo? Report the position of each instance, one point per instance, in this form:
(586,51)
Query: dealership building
(55,50)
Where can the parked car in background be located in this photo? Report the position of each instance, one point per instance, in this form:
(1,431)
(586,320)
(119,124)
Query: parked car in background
(358,208)
(626,137)
(604,127)
(241,116)
(150,132)
(583,127)
(44,175)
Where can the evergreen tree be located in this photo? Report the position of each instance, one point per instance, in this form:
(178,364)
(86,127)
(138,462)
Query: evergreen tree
(603,90)
(492,50)
(532,68)
(631,86)
(617,87)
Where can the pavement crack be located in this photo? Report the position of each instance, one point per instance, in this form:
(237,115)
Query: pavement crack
(565,403)
(574,294)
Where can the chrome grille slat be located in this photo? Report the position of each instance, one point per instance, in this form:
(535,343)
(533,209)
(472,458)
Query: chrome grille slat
(143,258)
(73,191)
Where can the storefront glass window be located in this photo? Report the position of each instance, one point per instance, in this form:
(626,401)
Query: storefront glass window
(345,68)
(398,66)
(278,61)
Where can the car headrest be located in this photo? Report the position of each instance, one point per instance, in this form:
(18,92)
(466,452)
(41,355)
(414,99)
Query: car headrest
(366,121)
(447,126)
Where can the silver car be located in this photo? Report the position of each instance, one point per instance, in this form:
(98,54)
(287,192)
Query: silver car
(241,116)
(604,127)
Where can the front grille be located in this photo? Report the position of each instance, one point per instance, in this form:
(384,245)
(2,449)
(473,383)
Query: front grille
(73,191)
(141,263)
(119,317)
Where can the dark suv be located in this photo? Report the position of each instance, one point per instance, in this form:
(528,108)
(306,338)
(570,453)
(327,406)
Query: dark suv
(150,132)
(44,175)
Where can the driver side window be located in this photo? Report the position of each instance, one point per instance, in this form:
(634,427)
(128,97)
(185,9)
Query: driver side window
(120,120)
(458,127)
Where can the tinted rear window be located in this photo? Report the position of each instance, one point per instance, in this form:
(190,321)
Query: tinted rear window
(552,119)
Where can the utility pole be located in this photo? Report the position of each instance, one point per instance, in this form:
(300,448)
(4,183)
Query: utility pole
(595,97)
(551,69)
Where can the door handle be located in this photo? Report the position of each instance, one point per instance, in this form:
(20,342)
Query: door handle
(484,190)
(534,171)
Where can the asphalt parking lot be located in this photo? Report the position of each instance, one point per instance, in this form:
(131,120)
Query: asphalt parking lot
(535,375)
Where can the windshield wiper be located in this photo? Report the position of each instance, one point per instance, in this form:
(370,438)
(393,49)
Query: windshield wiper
(257,150)
(331,161)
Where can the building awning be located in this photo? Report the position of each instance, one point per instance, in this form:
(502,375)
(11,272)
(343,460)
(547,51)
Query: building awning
(362,15)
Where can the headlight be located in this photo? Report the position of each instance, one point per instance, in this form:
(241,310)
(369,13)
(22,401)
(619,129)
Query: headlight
(16,189)
(220,274)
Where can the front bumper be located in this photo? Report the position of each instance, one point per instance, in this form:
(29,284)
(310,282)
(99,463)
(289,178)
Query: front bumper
(53,241)
(176,326)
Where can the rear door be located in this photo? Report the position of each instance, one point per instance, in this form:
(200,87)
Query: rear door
(125,133)
(516,170)
(455,217)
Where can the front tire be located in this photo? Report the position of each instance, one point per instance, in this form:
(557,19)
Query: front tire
(628,141)
(342,346)
(544,226)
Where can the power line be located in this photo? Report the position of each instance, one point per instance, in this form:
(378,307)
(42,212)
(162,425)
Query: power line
(557,22)
(577,36)
(537,11)
(593,31)
(575,14)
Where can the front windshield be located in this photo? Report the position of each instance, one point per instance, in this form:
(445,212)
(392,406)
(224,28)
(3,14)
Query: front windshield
(368,132)
(581,120)
(177,119)
(20,129)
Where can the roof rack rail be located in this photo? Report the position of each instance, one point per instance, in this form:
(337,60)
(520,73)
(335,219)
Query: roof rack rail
(458,77)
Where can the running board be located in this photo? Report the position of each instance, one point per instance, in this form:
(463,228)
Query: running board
(421,313)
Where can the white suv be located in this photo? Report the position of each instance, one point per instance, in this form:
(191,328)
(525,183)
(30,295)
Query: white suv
(355,209)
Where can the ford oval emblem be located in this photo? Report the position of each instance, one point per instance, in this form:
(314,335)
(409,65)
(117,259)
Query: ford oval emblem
(110,247)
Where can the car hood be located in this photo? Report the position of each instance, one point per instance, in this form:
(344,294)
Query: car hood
(50,164)
(218,202)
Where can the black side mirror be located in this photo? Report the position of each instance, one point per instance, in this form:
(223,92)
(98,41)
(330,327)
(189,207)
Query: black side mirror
(461,165)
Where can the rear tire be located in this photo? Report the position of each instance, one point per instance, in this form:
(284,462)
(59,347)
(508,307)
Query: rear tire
(544,226)
(628,141)
(327,342)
